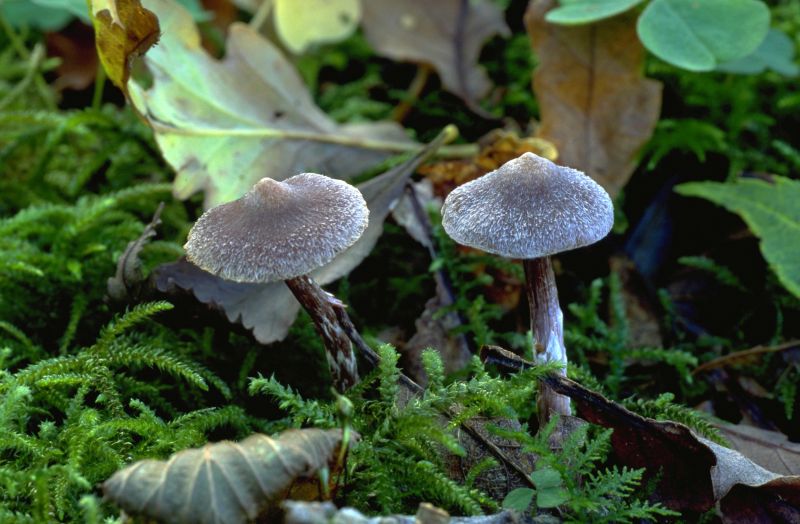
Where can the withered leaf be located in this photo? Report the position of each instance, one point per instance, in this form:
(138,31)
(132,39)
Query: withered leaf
(595,105)
(222,482)
(690,472)
(225,124)
(769,449)
(448,34)
(270,309)
(123,31)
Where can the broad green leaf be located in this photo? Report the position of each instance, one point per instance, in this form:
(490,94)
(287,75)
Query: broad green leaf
(301,24)
(518,499)
(123,31)
(574,12)
(225,124)
(698,35)
(776,52)
(550,490)
(223,482)
(771,211)
(47,15)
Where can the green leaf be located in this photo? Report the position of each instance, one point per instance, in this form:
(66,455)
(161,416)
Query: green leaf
(518,499)
(776,52)
(47,15)
(771,211)
(698,35)
(575,12)
(550,491)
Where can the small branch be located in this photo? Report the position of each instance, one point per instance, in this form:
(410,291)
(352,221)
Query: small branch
(412,95)
(415,389)
(261,15)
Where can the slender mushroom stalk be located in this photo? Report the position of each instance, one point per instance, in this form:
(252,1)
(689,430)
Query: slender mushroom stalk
(283,231)
(531,208)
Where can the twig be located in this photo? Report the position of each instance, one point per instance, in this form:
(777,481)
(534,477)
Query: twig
(374,359)
(447,296)
(743,355)
(400,112)
(261,15)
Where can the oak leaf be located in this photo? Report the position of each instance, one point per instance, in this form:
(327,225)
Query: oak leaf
(595,105)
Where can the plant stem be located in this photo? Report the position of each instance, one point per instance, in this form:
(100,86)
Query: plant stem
(454,151)
(412,95)
(321,306)
(547,324)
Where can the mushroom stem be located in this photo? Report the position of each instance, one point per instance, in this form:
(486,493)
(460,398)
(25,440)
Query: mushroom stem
(547,324)
(321,306)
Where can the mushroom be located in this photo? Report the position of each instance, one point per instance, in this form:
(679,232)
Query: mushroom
(531,208)
(283,231)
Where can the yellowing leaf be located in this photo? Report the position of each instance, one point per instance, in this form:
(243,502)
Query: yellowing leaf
(303,23)
(772,211)
(595,104)
(447,34)
(223,482)
(123,31)
(225,124)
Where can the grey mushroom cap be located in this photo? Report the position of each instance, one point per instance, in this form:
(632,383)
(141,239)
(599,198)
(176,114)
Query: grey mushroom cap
(278,230)
(528,208)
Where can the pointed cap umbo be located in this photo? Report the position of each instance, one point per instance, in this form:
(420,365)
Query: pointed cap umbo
(528,208)
(278,230)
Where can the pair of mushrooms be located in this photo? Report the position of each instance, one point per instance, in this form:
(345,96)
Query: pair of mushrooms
(529,208)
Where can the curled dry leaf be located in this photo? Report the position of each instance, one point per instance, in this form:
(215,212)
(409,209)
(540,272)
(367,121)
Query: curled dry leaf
(595,104)
(270,309)
(769,449)
(690,472)
(223,482)
(123,31)
(448,34)
(225,124)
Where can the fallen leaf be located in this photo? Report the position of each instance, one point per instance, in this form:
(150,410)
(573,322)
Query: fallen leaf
(595,105)
(298,512)
(769,449)
(771,212)
(75,46)
(447,34)
(122,33)
(302,24)
(689,473)
(223,482)
(225,124)
(270,309)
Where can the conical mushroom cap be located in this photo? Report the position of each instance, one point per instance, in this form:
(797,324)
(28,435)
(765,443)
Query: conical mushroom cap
(528,208)
(278,230)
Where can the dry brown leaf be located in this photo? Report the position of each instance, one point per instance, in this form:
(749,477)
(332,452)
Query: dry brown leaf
(689,472)
(223,482)
(595,105)
(448,34)
(123,31)
(769,449)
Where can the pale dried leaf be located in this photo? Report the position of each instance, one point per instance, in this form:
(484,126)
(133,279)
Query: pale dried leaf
(302,24)
(595,104)
(769,449)
(270,309)
(223,482)
(447,34)
(225,124)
